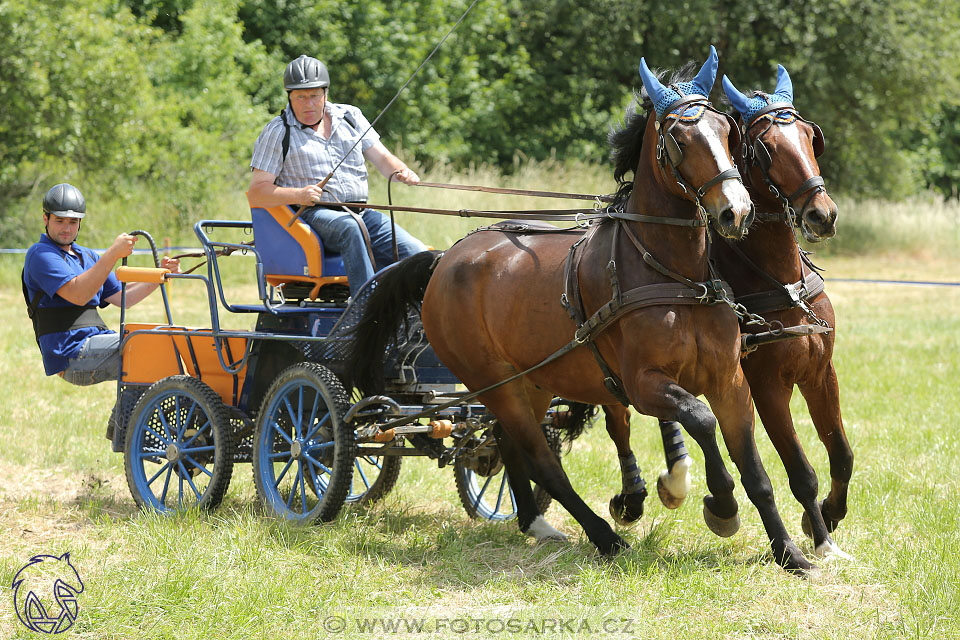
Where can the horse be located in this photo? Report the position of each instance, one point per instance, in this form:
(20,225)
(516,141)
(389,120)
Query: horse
(498,308)
(771,276)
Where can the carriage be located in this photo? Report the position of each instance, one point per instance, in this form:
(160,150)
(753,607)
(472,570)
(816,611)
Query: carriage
(194,402)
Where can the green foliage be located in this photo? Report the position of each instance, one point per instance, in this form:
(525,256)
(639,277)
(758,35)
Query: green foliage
(170,94)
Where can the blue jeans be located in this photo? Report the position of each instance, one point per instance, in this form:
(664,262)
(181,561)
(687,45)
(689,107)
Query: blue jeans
(341,233)
(98,360)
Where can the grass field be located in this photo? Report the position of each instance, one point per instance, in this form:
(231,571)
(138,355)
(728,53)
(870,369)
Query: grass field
(416,566)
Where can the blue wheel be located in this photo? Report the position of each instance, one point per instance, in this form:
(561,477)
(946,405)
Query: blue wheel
(483,484)
(373,477)
(303,452)
(178,452)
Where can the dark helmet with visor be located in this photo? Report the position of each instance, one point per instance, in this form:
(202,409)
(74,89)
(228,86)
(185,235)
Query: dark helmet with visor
(66,201)
(305,73)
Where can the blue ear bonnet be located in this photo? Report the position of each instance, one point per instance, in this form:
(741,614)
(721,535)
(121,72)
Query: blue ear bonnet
(669,96)
(748,107)
(759,102)
(663,96)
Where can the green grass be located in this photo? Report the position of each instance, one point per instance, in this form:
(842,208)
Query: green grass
(416,556)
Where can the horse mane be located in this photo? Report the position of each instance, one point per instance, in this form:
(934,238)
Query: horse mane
(626,140)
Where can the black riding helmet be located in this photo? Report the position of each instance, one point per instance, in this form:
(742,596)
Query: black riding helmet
(66,201)
(306,73)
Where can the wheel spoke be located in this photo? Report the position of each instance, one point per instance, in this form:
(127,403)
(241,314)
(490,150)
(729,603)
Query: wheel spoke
(319,425)
(363,476)
(317,463)
(156,435)
(283,434)
(157,474)
(187,420)
(143,455)
(198,465)
(186,476)
(276,485)
(198,449)
(293,487)
(480,493)
(206,425)
(166,484)
(293,418)
(303,491)
(313,413)
(503,483)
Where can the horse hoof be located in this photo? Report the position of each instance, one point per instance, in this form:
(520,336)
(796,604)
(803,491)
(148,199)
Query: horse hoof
(612,548)
(723,527)
(792,561)
(674,485)
(627,508)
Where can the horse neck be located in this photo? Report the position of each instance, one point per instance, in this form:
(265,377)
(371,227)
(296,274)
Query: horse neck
(772,247)
(680,249)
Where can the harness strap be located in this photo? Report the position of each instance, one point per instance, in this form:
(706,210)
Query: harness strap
(786,297)
(575,310)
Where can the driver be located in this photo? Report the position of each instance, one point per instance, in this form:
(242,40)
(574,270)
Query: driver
(64,284)
(300,147)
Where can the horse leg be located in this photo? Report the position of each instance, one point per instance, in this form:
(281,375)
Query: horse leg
(660,396)
(627,506)
(823,401)
(773,405)
(533,460)
(529,518)
(673,485)
(734,410)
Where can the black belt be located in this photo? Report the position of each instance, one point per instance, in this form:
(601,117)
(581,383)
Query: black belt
(60,319)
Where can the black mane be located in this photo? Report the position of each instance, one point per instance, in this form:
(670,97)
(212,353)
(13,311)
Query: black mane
(627,139)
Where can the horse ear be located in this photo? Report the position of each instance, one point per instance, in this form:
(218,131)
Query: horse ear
(707,75)
(65,556)
(653,86)
(739,101)
(784,83)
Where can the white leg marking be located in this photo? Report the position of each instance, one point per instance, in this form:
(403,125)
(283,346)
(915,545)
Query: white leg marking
(677,480)
(541,530)
(830,551)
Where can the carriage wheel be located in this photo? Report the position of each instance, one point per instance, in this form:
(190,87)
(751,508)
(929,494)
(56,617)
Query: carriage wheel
(373,477)
(487,493)
(303,452)
(179,450)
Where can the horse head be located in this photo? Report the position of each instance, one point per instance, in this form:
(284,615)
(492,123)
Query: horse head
(693,151)
(781,149)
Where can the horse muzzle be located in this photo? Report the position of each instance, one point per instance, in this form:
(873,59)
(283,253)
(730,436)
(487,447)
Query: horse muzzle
(819,222)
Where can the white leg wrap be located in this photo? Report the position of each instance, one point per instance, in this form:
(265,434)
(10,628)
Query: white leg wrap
(541,530)
(830,551)
(677,480)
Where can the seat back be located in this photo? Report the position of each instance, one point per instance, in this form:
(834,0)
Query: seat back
(293,254)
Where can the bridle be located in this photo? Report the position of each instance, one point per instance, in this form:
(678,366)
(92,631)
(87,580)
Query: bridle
(755,153)
(669,150)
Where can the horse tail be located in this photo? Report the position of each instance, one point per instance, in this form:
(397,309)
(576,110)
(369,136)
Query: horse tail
(398,290)
(575,419)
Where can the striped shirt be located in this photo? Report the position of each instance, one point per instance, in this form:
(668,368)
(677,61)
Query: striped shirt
(311,157)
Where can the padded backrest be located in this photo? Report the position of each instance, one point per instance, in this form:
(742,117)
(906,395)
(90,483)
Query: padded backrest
(295,250)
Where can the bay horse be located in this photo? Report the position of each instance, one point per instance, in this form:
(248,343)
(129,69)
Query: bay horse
(772,277)
(499,303)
